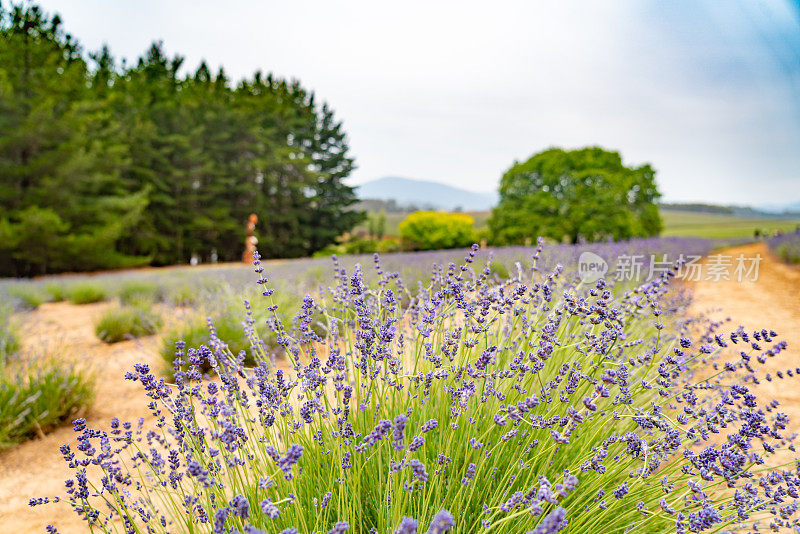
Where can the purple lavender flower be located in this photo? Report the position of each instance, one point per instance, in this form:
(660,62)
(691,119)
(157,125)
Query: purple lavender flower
(398,432)
(325,500)
(441,522)
(554,522)
(418,470)
(469,474)
(290,459)
(240,507)
(429,425)
(340,528)
(406,526)
(269,509)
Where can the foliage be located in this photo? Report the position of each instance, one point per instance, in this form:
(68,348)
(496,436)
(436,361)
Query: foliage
(787,246)
(55,136)
(376,224)
(586,194)
(427,230)
(57,291)
(181,294)
(534,404)
(223,322)
(39,396)
(357,245)
(29,296)
(86,293)
(195,333)
(152,166)
(139,292)
(9,336)
(120,324)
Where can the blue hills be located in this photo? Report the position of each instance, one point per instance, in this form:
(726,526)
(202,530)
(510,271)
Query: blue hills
(426,194)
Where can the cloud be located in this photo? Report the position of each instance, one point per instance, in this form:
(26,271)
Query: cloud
(708,93)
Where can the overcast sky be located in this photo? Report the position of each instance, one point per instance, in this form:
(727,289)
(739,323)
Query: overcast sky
(706,91)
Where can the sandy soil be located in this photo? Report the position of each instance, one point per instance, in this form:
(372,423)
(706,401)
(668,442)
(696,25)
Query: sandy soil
(35,468)
(771,302)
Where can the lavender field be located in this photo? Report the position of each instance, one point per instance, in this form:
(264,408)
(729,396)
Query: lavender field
(354,268)
(449,393)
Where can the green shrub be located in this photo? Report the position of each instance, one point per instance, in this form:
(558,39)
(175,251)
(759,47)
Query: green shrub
(29,296)
(9,338)
(194,333)
(57,291)
(119,324)
(227,318)
(86,293)
(789,252)
(182,294)
(9,341)
(427,230)
(498,270)
(389,244)
(39,397)
(140,292)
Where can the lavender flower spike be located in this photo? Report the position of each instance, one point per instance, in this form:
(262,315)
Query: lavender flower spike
(552,523)
(441,522)
(407,526)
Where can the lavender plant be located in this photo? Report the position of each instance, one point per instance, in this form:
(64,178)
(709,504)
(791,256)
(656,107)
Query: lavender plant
(86,293)
(537,404)
(127,322)
(9,335)
(787,246)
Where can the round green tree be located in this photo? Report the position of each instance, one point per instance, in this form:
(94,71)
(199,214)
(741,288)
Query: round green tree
(585,194)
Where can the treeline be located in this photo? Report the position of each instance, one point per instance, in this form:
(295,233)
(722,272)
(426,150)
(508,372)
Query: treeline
(105,165)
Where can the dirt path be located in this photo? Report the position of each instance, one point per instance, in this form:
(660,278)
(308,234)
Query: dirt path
(35,468)
(771,302)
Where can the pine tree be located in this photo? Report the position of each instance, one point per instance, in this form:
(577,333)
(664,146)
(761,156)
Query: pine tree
(60,170)
(104,165)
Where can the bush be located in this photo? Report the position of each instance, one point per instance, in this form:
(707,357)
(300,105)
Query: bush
(499,271)
(57,291)
(787,247)
(228,323)
(558,406)
(38,397)
(195,333)
(9,338)
(427,230)
(119,324)
(29,296)
(360,245)
(182,294)
(86,293)
(140,292)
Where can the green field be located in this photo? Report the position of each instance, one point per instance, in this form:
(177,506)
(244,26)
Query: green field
(678,223)
(721,226)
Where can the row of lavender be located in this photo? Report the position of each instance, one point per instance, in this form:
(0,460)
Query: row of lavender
(787,247)
(147,297)
(473,402)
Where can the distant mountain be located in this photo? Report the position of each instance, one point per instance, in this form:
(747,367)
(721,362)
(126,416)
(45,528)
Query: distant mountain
(423,193)
(781,208)
(786,211)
